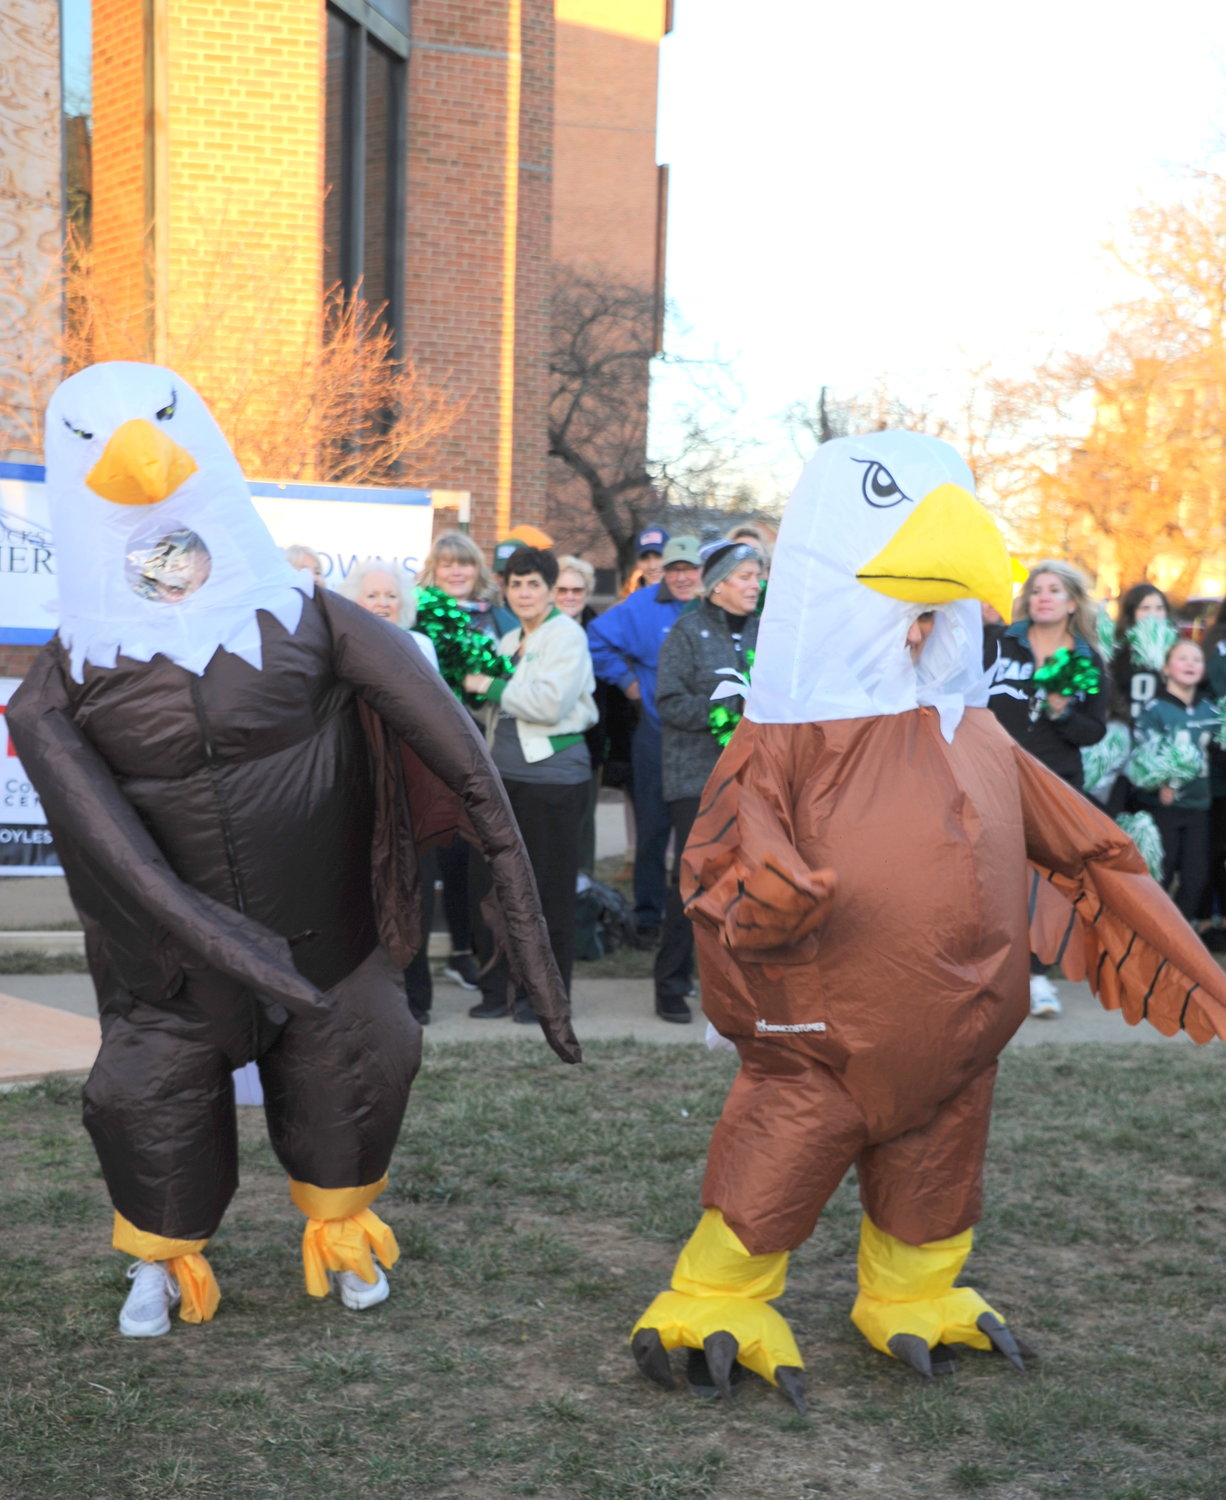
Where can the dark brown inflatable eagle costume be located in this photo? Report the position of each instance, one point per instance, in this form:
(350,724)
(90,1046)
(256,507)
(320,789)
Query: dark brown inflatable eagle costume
(858,880)
(238,769)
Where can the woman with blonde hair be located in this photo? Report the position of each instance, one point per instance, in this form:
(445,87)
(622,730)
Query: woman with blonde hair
(457,565)
(1048,688)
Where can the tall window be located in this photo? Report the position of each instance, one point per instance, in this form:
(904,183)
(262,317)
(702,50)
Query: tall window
(364,152)
(76,27)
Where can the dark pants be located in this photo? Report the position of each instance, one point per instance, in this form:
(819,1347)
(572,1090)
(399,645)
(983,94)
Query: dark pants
(1185,852)
(453,871)
(549,818)
(1215,890)
(418,980)
(652,825)
(674,968)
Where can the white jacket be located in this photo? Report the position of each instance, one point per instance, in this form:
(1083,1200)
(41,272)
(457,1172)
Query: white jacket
(551,692)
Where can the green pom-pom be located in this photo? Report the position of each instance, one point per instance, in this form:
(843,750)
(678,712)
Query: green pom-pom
(1149,640)
(1102,763)
(460,648)
(1166,760)
(1143,831)
(1065,674)
(1108,636)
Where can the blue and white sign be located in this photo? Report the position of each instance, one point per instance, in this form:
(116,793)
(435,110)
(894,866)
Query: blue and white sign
(345,525)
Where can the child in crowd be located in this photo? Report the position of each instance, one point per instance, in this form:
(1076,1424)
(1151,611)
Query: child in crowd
(1170,770)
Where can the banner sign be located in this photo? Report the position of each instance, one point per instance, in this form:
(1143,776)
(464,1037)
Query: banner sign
(25,840)
(344,524)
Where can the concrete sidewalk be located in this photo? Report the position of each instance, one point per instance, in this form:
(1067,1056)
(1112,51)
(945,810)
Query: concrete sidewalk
(49,1022)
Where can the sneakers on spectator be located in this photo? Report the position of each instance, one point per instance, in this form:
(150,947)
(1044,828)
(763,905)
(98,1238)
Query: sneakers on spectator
(356,1293)
(146,1313)
(461,969)
(1044,1001)
(523,1013)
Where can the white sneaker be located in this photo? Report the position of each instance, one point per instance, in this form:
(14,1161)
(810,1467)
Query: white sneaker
(356,1293)
(1044,1001)
(146,1313)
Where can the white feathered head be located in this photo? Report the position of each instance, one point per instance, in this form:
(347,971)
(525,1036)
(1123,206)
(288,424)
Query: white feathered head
(158,546)
(879,530)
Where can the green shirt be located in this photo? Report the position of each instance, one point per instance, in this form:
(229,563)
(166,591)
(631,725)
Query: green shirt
(1168,716)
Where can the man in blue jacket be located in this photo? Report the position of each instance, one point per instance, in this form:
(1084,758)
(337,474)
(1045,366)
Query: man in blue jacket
(625,643)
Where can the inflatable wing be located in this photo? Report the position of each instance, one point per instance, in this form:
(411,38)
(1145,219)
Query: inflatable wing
(441,780)
(1105,918)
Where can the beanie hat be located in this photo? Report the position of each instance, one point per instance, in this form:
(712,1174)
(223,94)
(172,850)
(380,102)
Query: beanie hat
(719,559)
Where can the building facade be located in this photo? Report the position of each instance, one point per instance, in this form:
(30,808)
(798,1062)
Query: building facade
(228,163)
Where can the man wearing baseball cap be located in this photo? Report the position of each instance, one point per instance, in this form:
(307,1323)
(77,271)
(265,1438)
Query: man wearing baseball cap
(651,545)
(625,642)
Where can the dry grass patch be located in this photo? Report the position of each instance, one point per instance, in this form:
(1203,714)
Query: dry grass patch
(539,1208)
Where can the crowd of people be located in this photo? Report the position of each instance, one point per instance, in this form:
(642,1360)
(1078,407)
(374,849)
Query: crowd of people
(1125,709)
(644,695)
(641,697)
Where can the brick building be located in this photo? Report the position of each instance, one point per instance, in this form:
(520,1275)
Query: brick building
(243,158)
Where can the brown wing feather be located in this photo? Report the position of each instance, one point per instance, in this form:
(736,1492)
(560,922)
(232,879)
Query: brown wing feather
(1139,954)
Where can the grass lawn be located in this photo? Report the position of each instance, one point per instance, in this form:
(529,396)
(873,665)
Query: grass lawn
(539,1208)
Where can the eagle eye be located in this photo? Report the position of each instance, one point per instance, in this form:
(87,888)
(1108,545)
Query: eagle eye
(168,410)
(77,431)
(878,486)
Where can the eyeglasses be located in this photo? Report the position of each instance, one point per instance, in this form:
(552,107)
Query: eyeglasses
(580,590)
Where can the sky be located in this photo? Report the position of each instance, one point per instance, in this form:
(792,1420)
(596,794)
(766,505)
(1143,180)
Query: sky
(884,188)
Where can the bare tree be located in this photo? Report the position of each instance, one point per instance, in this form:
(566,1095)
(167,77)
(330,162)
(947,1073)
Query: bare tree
(605,341)
(338,408)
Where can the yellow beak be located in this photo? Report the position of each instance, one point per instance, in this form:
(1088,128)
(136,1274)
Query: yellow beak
(140,465)
(948,548)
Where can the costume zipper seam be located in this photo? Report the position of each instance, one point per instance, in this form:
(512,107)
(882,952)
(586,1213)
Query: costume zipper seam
(223,810)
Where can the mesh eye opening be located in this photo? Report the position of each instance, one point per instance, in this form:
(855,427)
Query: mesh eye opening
(168,411)
(77,431)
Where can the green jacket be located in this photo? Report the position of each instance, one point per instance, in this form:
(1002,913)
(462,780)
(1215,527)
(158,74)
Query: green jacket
(1167,715)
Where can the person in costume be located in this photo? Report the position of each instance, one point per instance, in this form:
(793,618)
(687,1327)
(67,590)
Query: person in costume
(237,779)
(1170,770)
(704,665)
(1049,691)
(857,878)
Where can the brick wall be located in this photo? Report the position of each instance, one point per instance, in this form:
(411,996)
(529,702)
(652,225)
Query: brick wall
(16,661)
(457,203)
(239,217)
(122,203)
(245,180)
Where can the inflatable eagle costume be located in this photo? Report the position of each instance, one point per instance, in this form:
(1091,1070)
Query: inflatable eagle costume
(238,769)
(857,877)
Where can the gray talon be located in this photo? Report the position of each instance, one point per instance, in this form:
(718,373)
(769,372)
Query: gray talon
(721,1350)
(1002,1340)
(913,1351)
(652,1358)
(791,1381)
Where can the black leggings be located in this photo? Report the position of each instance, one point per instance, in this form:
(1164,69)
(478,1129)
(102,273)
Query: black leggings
(1185,852)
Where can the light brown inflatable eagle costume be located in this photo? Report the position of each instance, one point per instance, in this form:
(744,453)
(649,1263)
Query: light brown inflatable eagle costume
(238,768)
(857,876)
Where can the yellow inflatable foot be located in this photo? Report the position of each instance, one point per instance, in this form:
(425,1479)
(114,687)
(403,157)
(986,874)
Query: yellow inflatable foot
(719,1305)
(909,1308)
